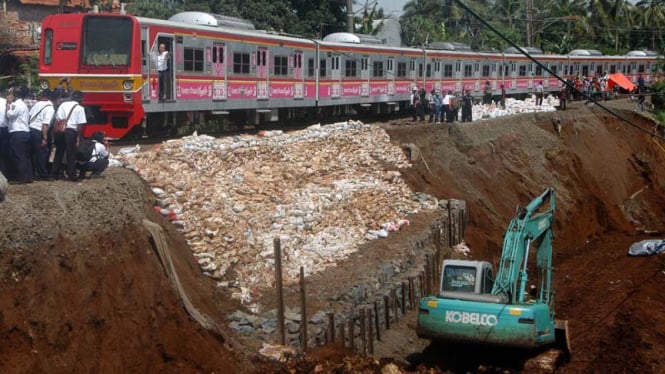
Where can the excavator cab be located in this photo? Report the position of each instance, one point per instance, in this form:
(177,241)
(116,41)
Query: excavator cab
(475,306)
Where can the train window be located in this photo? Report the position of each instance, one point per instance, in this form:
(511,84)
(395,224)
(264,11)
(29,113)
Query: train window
(350,68)
(493,66)
(458,66)
(377,70)
(322,67)
(585,70)
(310,67)
(640,68)
(428,70)
(448,70)
(486,71)
(599,70)
(101,47)
(280,65)
(513,67)
(613,69)
(476,67)
(193,59)
(437,66)
(48,47)
(241,63)
(522,71)
(391,65)
(412,65)
(401,69)
(554,69)
(468,71)
(539,70)
(297,60)
(421,70)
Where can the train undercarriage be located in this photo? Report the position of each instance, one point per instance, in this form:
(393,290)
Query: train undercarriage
(183,123)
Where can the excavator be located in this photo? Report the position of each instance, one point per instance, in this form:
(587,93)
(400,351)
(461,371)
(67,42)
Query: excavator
(473,306)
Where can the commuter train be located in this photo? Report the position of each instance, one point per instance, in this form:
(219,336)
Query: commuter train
(225,70)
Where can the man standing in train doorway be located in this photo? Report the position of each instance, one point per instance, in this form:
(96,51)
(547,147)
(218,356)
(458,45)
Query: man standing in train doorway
(163,71)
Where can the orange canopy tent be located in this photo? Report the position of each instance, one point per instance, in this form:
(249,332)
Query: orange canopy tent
(620,80)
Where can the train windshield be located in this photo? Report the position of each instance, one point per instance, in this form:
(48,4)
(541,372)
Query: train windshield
(107,41)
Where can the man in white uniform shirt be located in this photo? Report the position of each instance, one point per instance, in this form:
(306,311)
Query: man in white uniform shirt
(19,137)
(163,71)
(41,115)
(71,110)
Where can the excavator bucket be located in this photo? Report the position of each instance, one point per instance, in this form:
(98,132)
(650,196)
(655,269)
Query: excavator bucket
(562,336)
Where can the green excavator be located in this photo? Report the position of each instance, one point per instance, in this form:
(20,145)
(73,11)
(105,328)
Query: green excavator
(515,308)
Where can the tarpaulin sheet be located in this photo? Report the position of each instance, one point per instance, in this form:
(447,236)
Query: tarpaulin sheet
(647,248)
(622,81)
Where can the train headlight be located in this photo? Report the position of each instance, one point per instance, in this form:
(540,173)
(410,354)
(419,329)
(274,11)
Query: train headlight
(128,85)
(43,84)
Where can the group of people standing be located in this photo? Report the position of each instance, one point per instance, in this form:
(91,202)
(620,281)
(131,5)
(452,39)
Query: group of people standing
(439,107)
(28,133)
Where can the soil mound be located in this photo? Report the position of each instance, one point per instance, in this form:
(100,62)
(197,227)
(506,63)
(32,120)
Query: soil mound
(84,290)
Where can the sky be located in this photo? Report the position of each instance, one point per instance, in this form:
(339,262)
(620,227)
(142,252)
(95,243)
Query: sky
(390,7)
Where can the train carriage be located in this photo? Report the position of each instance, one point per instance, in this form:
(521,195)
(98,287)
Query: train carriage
(222,69)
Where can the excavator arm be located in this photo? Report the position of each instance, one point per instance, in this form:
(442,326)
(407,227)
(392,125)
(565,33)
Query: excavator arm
(531,226)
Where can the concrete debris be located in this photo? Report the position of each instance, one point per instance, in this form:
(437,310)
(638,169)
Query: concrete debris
(322,191)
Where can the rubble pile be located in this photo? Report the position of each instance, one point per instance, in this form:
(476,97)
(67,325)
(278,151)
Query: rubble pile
(322,191)
(513,106)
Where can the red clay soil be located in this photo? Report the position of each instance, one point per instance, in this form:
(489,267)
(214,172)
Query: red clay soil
(82,288)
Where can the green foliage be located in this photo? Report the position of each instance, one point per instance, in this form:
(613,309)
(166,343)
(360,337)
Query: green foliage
(29,73)
(153,9)
(366,22)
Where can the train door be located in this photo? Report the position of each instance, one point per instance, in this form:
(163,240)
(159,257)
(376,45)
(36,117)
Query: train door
(336,76)
(262,73)
(364,76)
(391,75)
(412,70)
(168,77)
(145,66)
(299,88)
(218,61)
(165,81)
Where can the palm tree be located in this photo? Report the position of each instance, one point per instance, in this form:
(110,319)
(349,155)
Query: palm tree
(652,16)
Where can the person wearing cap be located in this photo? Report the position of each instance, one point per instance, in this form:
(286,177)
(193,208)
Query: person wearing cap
(19,137)
(467,107)
(437,100)
(415,99)
(540,91)
(99,160)
(41,115)
(67,143)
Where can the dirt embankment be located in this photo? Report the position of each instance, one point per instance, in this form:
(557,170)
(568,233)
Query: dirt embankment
(83,289)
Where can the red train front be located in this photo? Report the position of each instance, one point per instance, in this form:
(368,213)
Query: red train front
(100,55)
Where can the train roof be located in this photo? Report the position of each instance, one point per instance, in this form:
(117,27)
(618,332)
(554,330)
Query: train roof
(237,31)
(645,53)
(529,50)
(585,52)
(211,19)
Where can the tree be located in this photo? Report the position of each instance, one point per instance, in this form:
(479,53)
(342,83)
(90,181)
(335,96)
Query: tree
(651,17)
(367,21)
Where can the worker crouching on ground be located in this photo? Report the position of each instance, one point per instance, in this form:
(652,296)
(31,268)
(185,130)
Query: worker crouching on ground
(99,160)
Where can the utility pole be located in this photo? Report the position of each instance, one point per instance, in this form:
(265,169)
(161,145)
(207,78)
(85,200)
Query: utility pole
(349,16)
(529,23)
